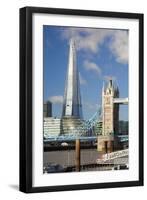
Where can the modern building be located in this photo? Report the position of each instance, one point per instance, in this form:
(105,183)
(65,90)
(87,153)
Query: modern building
(52,127)
(47,109)
(72,106)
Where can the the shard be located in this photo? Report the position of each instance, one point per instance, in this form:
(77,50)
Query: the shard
(72,106)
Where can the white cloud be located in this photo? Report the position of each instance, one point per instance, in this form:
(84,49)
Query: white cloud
(90,40)
(87,39)
(119,46)
(91,66)
(82,80)
(56,99)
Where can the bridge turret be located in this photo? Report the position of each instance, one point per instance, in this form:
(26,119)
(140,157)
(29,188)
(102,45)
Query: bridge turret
(116,91)
(110,111)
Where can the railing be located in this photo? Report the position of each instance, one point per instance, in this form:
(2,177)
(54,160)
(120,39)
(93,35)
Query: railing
(107,158)
(122,138)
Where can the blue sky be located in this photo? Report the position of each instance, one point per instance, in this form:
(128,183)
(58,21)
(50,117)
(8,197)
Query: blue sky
(101,53)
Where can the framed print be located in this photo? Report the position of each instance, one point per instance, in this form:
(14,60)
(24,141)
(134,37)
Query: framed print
(81,99)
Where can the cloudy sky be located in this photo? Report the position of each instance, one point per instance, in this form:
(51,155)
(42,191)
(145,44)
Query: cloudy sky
(101,53)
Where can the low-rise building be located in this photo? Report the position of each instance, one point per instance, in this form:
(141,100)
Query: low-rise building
(52,126)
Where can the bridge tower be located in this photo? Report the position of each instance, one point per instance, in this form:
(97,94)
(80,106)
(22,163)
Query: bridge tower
(110,110)
(110,117)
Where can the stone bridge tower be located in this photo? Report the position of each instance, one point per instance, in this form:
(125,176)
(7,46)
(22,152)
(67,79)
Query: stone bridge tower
(110,118)
(109,109)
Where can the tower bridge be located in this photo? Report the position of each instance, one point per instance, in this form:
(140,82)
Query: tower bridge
(84,132)
(72,124)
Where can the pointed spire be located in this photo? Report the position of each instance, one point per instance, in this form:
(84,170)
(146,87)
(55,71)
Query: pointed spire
(110,83)
(72,43)
(72,99)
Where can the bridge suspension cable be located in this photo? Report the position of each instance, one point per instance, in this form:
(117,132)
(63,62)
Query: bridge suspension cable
(83,131)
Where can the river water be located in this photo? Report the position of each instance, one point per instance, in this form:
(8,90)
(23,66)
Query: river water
(67,157)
